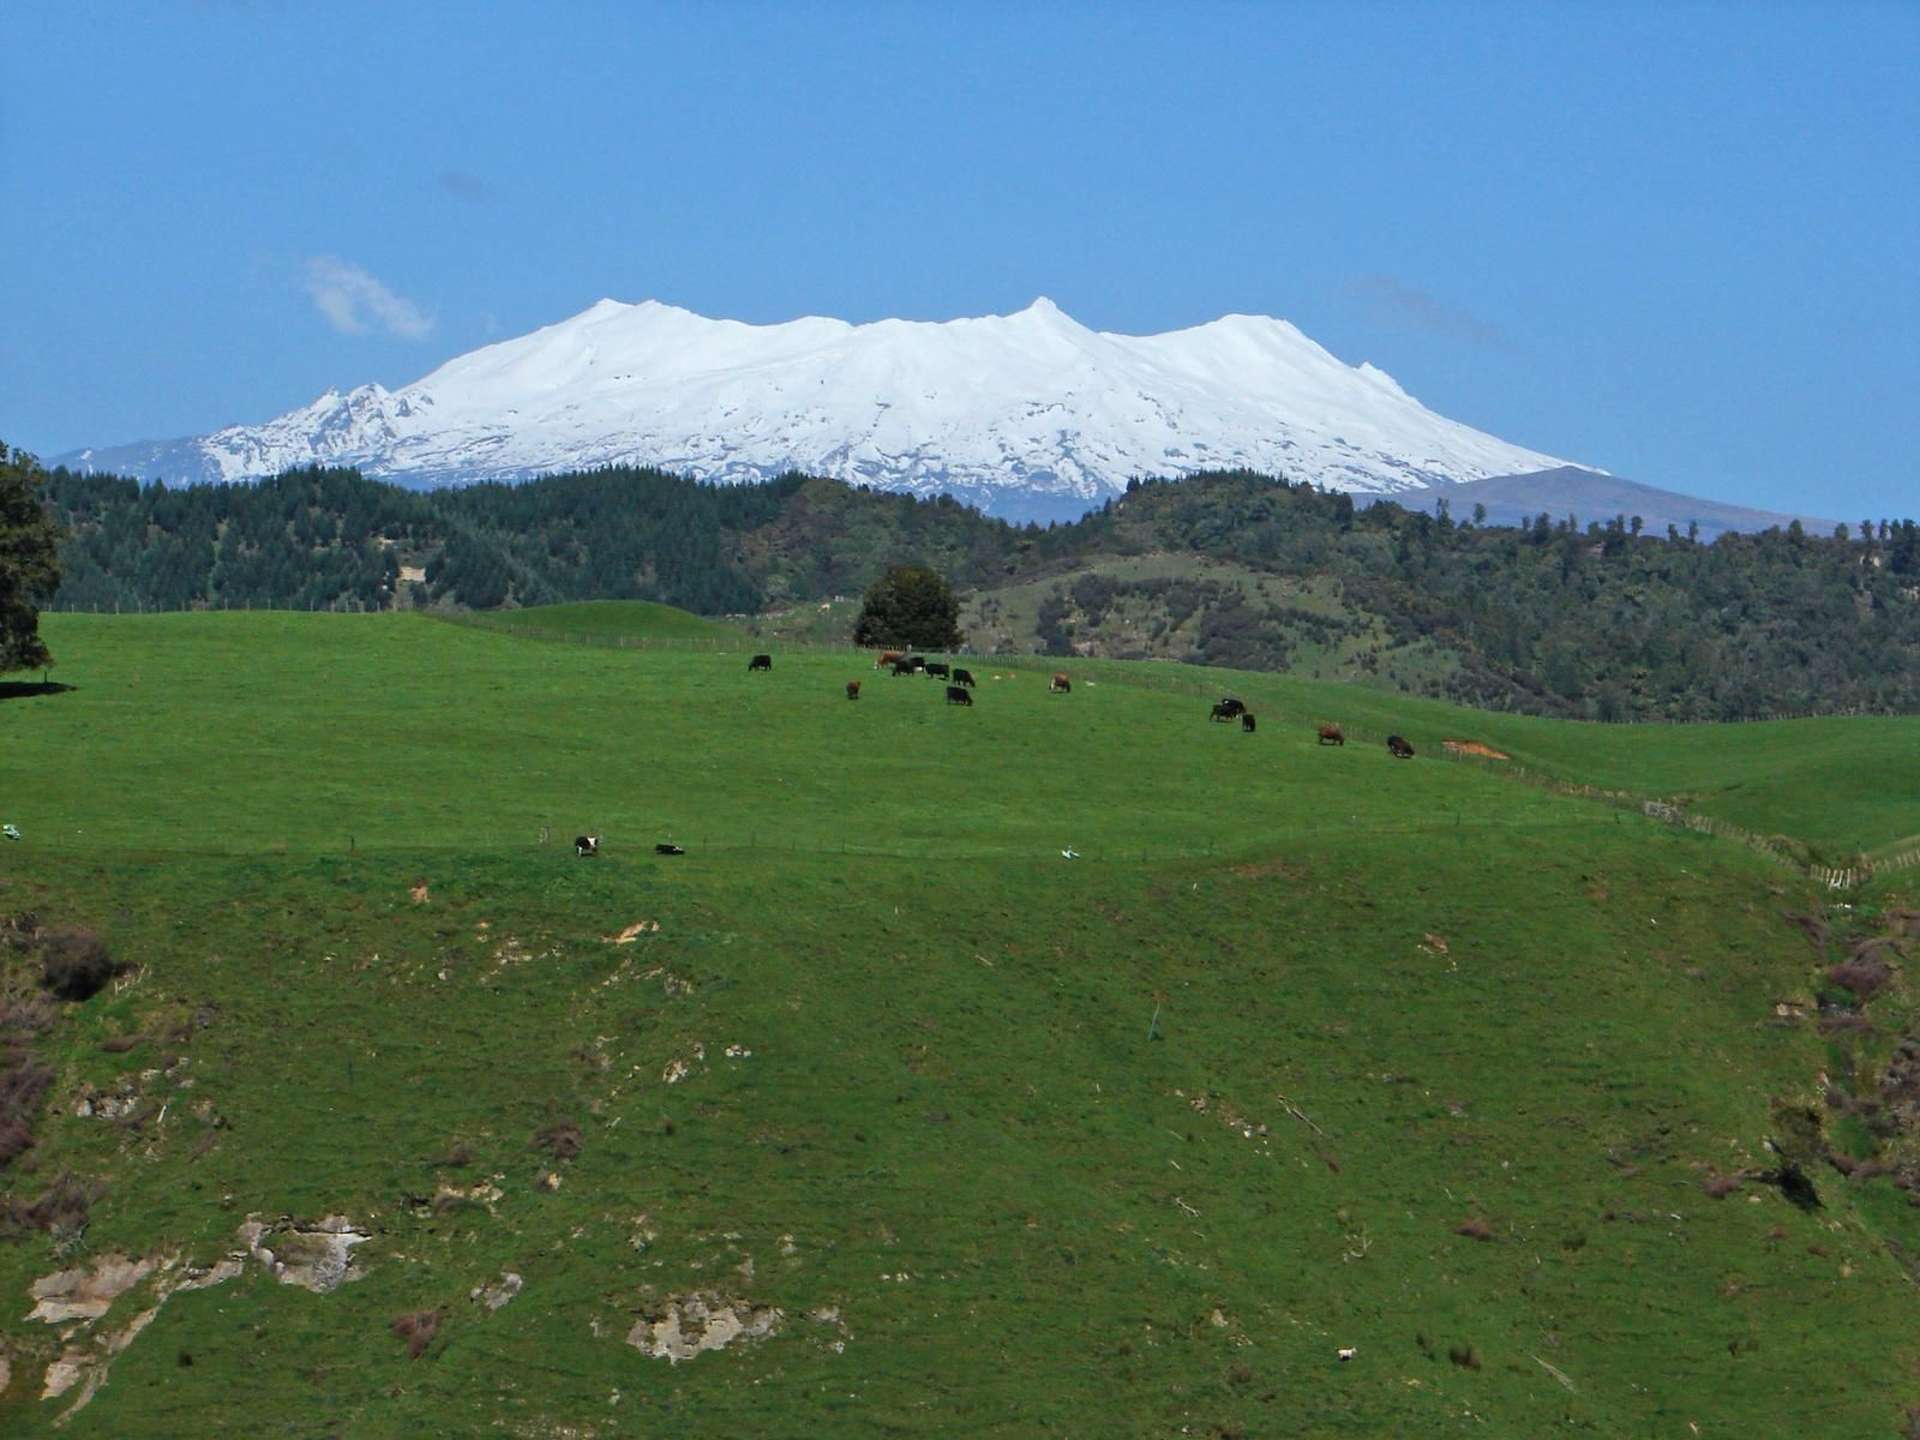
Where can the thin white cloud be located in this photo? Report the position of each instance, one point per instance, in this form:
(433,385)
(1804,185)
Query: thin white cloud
(466,187)
(1409,305)
(354,302)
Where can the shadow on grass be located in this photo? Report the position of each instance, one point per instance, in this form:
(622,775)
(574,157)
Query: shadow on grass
(25,689)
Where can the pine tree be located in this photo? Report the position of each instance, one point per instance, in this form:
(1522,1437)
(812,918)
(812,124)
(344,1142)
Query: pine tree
(29,561)
(909,605)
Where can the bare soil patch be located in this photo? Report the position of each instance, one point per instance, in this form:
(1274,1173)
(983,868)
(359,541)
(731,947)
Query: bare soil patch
(1474,747)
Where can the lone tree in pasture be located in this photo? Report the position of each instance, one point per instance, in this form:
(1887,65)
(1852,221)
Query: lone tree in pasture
(909,605)
(29,561)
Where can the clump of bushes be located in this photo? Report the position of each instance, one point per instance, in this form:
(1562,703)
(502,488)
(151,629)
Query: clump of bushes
(1465,1356)
(75,964)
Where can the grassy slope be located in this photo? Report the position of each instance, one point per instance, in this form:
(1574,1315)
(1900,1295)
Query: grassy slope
(950,1078)
(1843,784)
(604,620)
(1007,618)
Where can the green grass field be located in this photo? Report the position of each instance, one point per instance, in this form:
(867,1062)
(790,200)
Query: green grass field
(1128,1143)
(603,620)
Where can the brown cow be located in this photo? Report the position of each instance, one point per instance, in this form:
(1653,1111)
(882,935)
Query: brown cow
(853,689)
(1332,735)
(1060,684)
(889,657)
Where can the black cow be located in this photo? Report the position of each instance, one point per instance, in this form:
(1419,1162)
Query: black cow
(963,677)
(937,667)
(1399,748)
(918,662)
(959,695)
(760,662)
(664,848)
(1227,710)
(903,667)
(1246,721)
(584,845)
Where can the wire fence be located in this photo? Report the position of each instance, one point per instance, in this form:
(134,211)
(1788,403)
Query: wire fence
(139,607)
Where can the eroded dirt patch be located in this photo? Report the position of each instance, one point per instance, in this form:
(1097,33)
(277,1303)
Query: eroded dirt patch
(316,1257)
(86,1293)
(1474,747)
(684,1326)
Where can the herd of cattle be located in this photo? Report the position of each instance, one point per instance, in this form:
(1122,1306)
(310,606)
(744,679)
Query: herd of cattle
(960,684)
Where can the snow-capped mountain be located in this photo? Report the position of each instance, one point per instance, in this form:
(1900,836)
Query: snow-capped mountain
(1020,414)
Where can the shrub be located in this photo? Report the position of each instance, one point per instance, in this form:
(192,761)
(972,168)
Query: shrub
(417,1328)
(75,965)
(1474,1229)
(1865,978)
(1721,1186)
(1465,1356)
(15,1140)
(561,1140)
(61,1209)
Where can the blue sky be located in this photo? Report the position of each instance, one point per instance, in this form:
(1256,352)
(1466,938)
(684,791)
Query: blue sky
(1676,241)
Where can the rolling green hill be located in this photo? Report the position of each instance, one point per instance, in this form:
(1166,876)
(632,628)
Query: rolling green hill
(1232,570)
(1300,1048)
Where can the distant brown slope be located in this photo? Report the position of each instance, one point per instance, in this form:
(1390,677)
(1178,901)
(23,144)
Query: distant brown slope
(1588,496)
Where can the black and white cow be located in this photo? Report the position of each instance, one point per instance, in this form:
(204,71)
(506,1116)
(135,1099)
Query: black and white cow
(585,845)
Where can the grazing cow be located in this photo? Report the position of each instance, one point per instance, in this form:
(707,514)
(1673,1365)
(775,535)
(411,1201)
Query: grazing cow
(1332,735)
(853,689)
(959,695)
(963,677)
(1246,721)
(1231,707)
(918,662)
(901,667)
(1399,748)
(937,667)
(1224,711)
(1060,685)
(664,848)
(1347,1352)
(760,662)
(888,657)
(584,845)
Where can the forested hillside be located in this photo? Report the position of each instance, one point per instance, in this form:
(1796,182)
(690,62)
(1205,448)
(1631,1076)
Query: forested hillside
(1552,617)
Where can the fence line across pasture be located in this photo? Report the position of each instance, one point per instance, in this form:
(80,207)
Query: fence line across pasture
(696,845)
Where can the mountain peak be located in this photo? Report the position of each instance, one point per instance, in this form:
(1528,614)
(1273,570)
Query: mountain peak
(1030,413)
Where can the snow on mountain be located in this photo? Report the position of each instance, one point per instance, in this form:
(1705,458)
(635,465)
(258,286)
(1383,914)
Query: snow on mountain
(1019,414)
